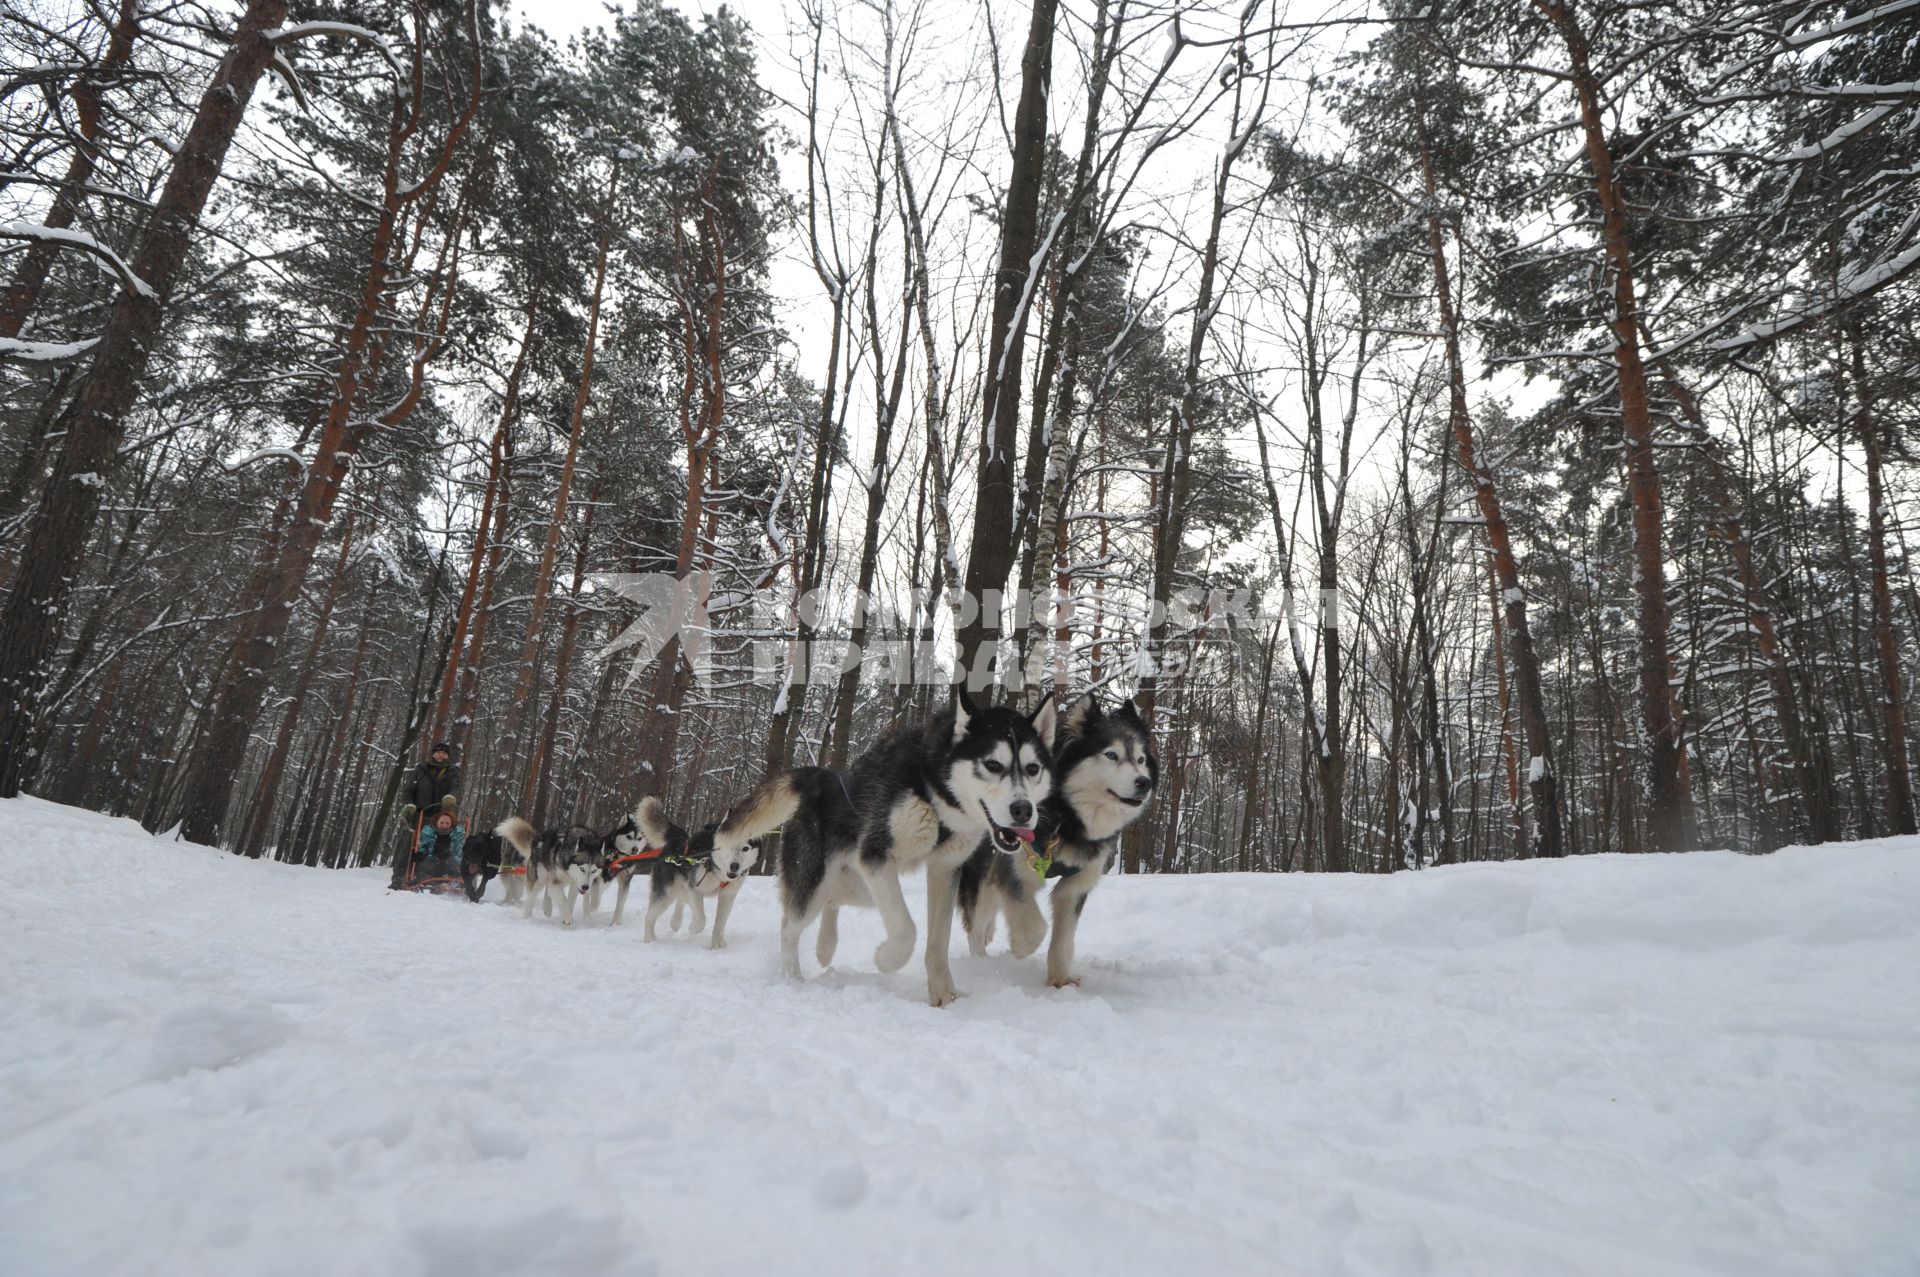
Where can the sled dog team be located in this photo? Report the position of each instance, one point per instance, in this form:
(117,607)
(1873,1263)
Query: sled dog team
(990,801)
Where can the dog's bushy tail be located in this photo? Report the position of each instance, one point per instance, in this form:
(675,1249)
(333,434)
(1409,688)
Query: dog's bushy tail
(769,806)
(650,817)
(519,835)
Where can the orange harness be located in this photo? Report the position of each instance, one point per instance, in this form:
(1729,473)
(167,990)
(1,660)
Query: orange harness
(621,862)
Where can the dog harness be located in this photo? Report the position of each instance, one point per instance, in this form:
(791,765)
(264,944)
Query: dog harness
(1042,859)
(1043,865)
(654,853)
(621,862)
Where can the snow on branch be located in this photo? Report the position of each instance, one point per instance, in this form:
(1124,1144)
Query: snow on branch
(1859,124)
(300,30)
(45,352)
(263,454)
(1851,289)
(1827,31)
(284,69)
(86,244)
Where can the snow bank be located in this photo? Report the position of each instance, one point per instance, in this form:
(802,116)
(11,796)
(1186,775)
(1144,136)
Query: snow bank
(1647,1065)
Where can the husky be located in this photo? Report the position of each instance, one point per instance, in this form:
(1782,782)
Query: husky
(572,862)
(685,871)
(503,852)
(921,795)
(1105,772)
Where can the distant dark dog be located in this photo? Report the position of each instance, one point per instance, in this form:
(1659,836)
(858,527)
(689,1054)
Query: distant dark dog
(501,853)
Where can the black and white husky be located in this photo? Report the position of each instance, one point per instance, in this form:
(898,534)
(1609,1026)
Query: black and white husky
(503,852)
(1105,771)
(684,874)
(571,863)
(922,795)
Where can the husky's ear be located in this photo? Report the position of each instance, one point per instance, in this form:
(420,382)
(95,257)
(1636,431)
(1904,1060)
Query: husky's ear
(963,716)
(651,817)
(1080,715)
(1129,710)
(1045,718)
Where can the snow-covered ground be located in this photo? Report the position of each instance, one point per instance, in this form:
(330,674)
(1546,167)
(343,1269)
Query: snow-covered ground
(1651,1065)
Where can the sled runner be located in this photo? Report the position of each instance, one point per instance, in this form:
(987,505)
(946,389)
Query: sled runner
(440,885)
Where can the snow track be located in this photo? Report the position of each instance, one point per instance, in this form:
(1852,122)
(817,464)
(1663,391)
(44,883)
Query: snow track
(1648,1065)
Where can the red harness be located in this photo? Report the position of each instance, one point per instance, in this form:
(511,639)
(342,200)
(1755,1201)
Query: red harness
(621,862)
(652,853)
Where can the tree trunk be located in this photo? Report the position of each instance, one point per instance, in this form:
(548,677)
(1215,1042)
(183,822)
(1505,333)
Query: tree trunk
(1176,464)
(1543,781)
(1669,805)
(991,558)
(497,451)
(934,407)
(267,791)
(1251,782)
(1053,410)
(703,409)
(1816,808)
(887,399)
(556,524)
(533,792)
(30,276)
(474,660)
(1900,805)
(249,666)
(791,698)
(62,522)
(420,692)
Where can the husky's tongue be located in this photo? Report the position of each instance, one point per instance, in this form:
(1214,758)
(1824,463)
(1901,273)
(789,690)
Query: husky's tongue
(1010,838)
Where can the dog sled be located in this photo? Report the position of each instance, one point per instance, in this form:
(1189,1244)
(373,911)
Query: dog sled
(438,884)
(442,876)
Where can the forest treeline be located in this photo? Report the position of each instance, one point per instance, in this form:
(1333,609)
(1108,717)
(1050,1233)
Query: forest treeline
(1532,384)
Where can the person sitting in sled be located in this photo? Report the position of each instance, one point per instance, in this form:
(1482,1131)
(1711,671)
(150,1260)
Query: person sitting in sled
(437,855)
(433,782)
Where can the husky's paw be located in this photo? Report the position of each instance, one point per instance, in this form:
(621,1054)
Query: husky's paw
(697,928)
(1063,982)
(893,954)
(716,943)
(943,995)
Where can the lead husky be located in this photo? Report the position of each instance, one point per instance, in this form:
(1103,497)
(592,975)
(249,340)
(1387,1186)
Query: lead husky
(923,795)
(1105,772)
(685,873)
